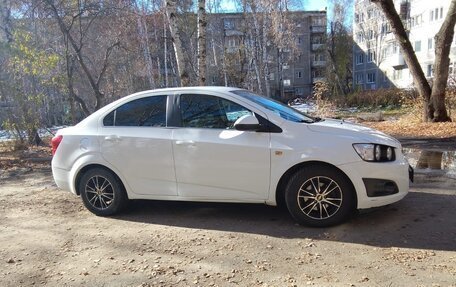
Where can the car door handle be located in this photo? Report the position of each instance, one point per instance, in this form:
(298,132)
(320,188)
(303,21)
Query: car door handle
(185,142)
(112,138)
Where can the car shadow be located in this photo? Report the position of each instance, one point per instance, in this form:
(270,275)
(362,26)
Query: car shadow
(422,220)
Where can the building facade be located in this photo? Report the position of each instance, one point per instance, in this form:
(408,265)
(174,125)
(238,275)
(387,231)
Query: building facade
(377,58)
(287,71)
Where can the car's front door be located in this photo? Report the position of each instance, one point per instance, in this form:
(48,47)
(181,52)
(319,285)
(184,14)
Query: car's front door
(213,161)
(136,141)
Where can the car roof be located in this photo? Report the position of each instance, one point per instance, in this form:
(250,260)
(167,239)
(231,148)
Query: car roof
(156,92)
(193,88)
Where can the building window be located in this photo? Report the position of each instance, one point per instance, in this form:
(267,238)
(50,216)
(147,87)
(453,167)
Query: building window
(359,78)
(370,35)
(228,23)
(360,37)
(430,70)
(317,40)
(318,21)
(299,74)
(395,48)
(232,43)
(271,76)
(299,91)
(371,57)
(214,79)
(441,12)
(285,66)
(430,43)
(397,75)
(318,57)
(451,69)
(370,77)
(359,58)
(286,83)
(431,15)
(417,46)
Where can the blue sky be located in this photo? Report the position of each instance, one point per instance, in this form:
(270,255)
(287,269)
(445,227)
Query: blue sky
(230,6)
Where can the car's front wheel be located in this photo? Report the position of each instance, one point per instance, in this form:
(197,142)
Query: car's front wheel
(319,196)
(101,192)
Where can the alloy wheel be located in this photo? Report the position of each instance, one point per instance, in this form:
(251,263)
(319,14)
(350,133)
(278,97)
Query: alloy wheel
(319,197)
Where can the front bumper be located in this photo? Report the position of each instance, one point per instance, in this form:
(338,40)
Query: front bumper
(397,172)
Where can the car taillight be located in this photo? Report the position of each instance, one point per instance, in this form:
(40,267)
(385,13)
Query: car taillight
(55,143)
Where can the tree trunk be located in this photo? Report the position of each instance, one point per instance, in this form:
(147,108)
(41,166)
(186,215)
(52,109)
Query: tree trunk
(144,36)
(171,12)
(165,51)
(264,43)
(93,79)
(434,109)
(443,41)
(430,159)
(5,20)
(419,79)
(202,23)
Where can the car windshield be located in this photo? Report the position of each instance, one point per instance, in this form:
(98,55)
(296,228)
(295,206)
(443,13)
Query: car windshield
(277,107)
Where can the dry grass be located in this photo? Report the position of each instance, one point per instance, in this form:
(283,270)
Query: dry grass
(403,128)
(14,156)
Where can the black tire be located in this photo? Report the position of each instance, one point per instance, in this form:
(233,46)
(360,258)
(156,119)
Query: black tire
(101,192)
(320,196)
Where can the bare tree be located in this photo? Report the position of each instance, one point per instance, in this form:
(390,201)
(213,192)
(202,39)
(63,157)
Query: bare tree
(202,23)
(339,45)
(145,42)
(171,12)
(434,97)
(93,76)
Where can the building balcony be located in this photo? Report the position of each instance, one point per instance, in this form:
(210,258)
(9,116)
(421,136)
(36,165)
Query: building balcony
(233,33)
(232,49)
(316,47)
(317,79)
(318,63)
(397,61)
(318,29)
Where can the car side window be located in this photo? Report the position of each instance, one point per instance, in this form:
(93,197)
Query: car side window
(144,112)
(204,111)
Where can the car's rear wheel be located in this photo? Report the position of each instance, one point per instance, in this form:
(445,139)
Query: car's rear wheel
(320,196)
(101,192)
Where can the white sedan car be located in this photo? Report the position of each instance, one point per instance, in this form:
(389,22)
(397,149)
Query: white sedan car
(224,144)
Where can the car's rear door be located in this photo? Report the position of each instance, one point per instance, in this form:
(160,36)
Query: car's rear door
(135,139)
(213,161)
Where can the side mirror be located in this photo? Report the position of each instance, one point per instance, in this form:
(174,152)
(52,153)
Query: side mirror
(247,123)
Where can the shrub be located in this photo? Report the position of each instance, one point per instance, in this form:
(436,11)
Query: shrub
(375,98)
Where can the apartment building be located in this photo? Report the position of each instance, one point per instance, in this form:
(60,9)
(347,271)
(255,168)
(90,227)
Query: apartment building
(377,58)
(292,71)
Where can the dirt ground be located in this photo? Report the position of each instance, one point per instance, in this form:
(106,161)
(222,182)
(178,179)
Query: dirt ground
(48,238)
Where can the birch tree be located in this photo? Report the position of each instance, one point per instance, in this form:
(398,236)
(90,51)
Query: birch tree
(202,24)
(171,13)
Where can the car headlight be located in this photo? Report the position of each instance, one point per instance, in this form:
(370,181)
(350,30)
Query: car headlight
(375,152)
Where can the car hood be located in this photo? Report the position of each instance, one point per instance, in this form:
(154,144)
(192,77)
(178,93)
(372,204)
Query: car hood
(358,133)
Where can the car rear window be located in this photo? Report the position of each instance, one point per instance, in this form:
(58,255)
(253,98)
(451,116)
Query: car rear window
(144,112)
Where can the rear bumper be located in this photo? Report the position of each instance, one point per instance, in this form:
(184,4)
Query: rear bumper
(62,179)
